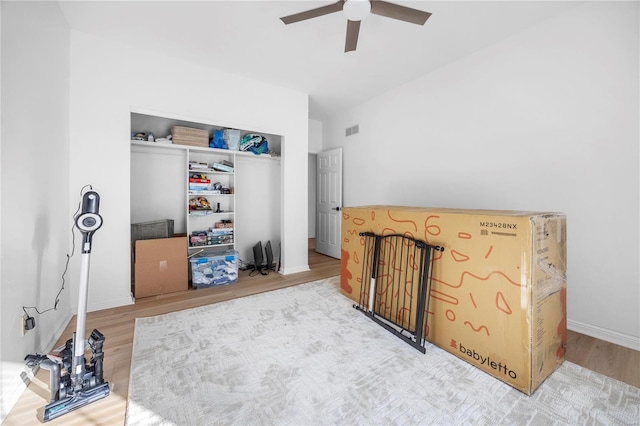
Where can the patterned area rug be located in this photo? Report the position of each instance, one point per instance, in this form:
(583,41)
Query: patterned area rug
(303,356)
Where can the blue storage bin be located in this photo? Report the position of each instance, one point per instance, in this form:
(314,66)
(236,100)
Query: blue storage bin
(212,270)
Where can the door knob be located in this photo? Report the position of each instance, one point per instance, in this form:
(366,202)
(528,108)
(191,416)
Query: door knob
(336,209)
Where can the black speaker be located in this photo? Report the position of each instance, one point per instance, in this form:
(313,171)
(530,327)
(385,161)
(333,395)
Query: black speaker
(269,253)
(258,260)
(257,256)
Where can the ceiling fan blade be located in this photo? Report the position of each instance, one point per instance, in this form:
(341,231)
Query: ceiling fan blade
(402,13)
(313,13)
(353,29)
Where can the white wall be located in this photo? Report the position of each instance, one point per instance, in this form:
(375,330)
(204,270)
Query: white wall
(36,221)
(315,136)
(257,217)
(545,120)
(158,180)
(313,170)
(106,84)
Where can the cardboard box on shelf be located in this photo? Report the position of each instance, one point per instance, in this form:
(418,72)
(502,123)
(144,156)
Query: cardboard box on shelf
(498,296)
(160,266)
(190,136)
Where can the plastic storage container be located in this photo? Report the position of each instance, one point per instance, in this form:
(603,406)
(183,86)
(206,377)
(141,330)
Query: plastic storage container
(214,270)
(232,138)
(152,230)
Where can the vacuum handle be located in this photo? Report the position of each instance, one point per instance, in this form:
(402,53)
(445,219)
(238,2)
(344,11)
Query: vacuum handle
(89,220)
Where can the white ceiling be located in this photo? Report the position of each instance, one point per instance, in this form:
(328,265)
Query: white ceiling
(248,38)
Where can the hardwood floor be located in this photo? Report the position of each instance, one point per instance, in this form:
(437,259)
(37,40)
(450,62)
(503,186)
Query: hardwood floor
(117,325)
(612,360)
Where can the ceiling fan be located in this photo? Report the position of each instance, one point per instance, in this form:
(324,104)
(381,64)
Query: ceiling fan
(356,10)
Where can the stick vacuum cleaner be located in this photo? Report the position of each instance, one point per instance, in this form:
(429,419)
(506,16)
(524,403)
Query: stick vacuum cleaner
(74,383)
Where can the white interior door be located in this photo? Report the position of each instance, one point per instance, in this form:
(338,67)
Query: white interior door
(329,202)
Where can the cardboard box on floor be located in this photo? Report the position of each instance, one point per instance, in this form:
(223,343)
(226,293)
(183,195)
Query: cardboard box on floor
(498,297)
(160,266)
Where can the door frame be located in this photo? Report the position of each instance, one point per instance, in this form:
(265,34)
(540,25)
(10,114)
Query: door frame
(329,206)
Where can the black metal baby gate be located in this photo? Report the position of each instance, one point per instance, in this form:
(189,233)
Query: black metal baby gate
(396,282)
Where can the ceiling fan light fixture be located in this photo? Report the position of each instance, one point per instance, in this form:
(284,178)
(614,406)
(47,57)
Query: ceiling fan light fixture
(356,10)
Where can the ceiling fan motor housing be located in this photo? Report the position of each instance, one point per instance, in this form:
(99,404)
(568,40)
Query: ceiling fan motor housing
(356,10)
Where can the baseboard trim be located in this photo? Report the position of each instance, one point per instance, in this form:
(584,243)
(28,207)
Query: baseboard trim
(622,339)
(288,271)
(113,303)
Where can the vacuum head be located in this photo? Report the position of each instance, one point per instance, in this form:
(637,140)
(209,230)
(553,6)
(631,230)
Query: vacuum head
(79,399)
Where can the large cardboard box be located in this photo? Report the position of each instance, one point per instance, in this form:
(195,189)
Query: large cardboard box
(498,296)
(161,266)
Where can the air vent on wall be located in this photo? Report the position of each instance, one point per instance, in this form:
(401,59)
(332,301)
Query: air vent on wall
(352,130)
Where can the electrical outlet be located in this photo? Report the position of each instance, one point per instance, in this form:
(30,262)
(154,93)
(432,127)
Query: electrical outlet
(23,323)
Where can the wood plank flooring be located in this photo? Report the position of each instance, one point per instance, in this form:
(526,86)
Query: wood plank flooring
(117,325)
